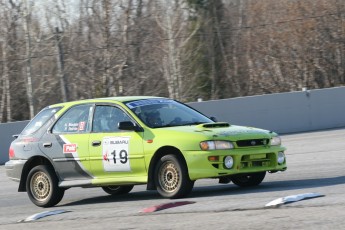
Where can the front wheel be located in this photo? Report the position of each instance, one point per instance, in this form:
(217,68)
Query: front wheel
(118,190)
(248,180)
(171,177)
(42,186)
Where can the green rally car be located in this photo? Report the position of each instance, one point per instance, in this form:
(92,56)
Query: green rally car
(116,143)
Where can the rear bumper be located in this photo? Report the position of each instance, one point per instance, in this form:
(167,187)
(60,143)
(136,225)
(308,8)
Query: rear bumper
(14,169)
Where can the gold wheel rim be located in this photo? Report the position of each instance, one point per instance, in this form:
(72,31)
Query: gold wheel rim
(40,186)
(169,177)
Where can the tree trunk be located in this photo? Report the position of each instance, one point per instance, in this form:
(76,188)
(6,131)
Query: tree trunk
(61,66)
(28,68)
(107,80)
(235,86)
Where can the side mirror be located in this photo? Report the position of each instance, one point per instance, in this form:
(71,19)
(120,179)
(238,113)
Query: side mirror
(214,119)
(128,125)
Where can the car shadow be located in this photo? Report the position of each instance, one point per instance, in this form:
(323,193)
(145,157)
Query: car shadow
(276,186)
(218,190)
(132,196)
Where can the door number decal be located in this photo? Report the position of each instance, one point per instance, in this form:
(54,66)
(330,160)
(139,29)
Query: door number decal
(116,154)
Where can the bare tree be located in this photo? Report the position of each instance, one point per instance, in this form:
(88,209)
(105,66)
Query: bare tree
(5,95)
(172,19)
(184,49)
(28,70)
(61,66)
(4,76)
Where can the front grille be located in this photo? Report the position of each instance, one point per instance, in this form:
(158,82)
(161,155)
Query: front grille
(245,162)
(252,142)
(257,160)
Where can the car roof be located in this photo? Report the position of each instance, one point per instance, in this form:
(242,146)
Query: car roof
(107,99)
(127,98)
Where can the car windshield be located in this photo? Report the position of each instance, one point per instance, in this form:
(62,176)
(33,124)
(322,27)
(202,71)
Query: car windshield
(157,113)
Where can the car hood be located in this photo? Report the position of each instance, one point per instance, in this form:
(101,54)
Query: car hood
(222,130)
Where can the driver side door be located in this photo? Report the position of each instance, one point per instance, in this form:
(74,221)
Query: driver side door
(116,156)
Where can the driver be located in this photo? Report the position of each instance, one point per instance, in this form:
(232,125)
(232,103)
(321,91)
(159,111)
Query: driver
(153,119)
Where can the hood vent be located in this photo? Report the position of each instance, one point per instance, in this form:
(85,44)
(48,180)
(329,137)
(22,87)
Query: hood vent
(216,125)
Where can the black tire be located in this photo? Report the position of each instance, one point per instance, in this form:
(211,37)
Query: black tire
(171,177)
(42,186)
(248,180)
(118,190)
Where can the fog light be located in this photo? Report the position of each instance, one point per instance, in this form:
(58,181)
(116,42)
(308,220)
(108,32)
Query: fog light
(281,158)
(228,162)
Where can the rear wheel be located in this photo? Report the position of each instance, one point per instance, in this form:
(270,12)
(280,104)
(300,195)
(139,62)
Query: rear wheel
(171,177)
(248,180)
(42,186)
(118,190)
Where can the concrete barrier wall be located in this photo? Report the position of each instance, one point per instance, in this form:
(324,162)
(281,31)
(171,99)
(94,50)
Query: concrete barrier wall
(6,132)
(282,113)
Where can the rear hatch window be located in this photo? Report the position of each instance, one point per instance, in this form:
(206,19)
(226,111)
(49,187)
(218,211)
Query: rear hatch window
(40,119)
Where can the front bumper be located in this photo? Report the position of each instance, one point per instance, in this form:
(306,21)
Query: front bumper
(246,160)
(14,169)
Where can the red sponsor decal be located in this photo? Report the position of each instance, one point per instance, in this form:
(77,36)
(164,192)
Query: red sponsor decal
(69,148)
(81,126)
(28,139)
(105,157)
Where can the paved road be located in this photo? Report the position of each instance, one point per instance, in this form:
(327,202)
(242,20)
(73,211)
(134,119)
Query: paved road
(315,164)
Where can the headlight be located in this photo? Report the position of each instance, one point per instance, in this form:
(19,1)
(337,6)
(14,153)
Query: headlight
(276,140)
(213,145)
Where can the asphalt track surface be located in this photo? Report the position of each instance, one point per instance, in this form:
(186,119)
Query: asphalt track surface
(316,163)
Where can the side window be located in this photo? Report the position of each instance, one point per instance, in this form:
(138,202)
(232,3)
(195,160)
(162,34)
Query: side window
(75,120)
(107,118)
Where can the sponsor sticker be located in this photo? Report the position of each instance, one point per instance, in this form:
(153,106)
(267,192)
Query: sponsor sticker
(71,127)
(81,126)
(69,148)
(139,103)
